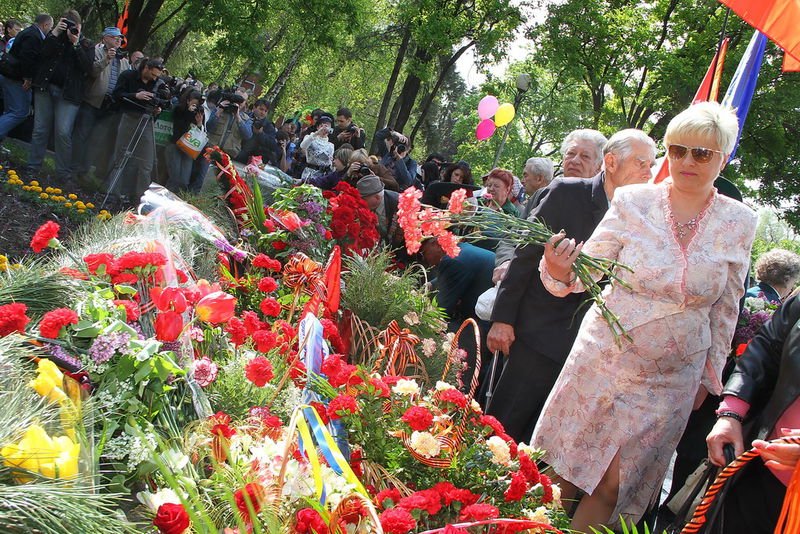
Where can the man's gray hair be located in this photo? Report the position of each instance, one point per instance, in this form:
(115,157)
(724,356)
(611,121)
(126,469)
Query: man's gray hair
(620,143)
(541,167)
(585,134)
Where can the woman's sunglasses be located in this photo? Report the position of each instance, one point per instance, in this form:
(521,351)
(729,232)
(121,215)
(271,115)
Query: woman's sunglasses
(700,155)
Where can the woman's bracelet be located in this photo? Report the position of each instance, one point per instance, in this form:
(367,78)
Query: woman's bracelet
(731,414)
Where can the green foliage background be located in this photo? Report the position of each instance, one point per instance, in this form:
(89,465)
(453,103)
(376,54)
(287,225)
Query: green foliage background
(607,64)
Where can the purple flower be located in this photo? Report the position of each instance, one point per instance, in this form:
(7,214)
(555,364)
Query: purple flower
(313,209)
(58,352)
(105,346)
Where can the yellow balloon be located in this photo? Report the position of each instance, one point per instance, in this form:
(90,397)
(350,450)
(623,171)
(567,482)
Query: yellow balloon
(504,114)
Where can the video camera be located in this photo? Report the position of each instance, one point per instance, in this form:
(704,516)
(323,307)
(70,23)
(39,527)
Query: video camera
(233,101)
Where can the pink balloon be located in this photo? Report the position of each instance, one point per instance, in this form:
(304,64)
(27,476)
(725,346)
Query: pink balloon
(487,107)
(485,129)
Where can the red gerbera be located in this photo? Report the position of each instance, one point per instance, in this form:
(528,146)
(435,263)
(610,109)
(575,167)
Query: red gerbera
(46,232)
(13,318)
(53,321)
(259,371)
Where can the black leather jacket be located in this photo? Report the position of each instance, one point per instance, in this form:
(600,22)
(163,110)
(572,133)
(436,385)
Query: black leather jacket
(767,375)
(58,52)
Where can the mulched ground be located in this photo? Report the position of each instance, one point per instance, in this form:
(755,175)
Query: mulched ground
(19,217)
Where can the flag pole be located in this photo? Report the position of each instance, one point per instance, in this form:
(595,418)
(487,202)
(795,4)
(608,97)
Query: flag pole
(719,48)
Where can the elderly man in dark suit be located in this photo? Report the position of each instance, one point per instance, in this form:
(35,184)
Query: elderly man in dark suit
(532,326)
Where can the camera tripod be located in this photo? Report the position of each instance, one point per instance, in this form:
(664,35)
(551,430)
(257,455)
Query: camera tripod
(145,121)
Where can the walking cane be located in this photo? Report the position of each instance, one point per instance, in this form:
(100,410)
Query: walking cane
(492,373)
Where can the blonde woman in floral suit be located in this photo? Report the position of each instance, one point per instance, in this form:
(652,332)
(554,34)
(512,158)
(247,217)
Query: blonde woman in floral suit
(617,412)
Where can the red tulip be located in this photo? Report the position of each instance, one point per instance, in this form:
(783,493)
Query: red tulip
(169,325)
(216,308)
(168,298)
(290,221)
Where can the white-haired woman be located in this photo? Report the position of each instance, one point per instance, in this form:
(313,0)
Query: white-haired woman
(617,412)
(778,271)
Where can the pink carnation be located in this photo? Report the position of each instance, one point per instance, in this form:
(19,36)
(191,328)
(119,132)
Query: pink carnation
(205,371)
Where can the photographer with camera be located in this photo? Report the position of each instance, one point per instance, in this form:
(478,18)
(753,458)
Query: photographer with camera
(140,95)
(394,152)
(346,131)
(64,62)
(229,126)
(94,135)
(318,149)
(21,61)
(187,113)
(263,142)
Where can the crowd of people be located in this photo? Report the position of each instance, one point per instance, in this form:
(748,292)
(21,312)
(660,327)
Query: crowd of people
(610,415)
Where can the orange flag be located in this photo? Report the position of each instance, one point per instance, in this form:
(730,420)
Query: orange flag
(778,20)
(122,23)
(707,92)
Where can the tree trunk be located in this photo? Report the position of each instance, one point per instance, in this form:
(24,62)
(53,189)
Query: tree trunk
(176,41)
(387,95)
(141,17)
(287,71)
(408,95)
(435,90)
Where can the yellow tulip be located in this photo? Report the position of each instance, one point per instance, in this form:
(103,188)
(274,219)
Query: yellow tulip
(53,457)
(49,381)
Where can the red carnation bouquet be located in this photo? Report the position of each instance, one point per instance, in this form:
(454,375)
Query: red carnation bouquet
(353,225)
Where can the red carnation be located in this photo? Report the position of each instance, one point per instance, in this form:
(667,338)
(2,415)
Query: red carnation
(391,494)
(252,494)
(53,321)
(267,284)
(528,467)
(252,322)
(322,411)
(452,494)
(492,422)
(397,521)
(309,521)
(516,490)
(298,373)
(428,500)
(124,278)
(171,518)
(265,340)
(270,307)
(13,318)
(342,403)
(279,245)
(237,331)
(95,261)
(547,485)
(479,512)
(452,396)
(259,371)
(131,309)
(418,418)
(46,232)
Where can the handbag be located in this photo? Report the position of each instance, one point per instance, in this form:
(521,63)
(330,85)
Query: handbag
(192,142)
(692,493)
(485,303)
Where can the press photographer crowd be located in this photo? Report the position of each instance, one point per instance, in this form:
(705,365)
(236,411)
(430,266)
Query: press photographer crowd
(104,107)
